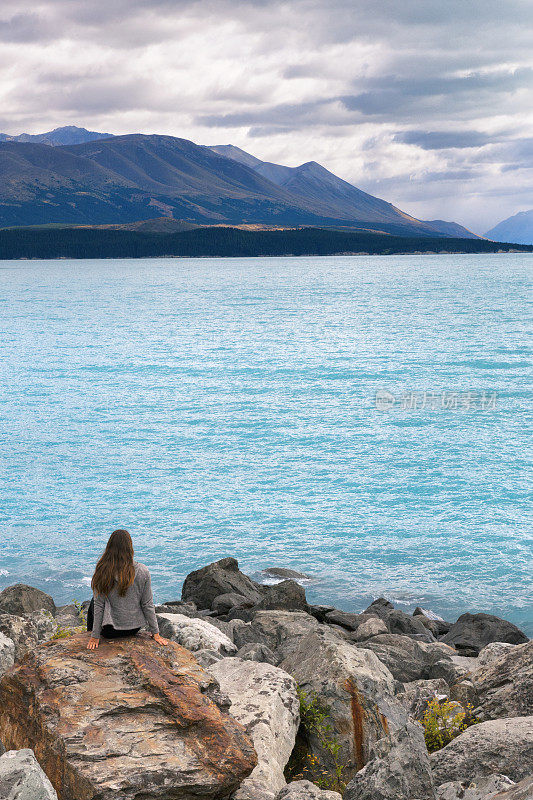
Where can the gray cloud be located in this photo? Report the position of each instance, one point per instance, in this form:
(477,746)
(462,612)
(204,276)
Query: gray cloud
(444,140)
(427,104)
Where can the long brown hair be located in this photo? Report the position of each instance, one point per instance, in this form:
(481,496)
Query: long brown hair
(115,565)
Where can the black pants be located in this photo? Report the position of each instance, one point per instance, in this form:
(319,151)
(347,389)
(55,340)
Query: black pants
(108,631)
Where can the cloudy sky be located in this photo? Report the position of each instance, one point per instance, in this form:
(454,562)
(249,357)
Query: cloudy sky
(427,103)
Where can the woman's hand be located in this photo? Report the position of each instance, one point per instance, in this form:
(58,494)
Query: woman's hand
(159,639)
(93,643)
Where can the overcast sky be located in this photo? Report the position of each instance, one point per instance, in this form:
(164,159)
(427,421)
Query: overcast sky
(426,103)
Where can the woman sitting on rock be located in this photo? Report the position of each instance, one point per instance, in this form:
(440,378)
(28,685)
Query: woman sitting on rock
(122,602)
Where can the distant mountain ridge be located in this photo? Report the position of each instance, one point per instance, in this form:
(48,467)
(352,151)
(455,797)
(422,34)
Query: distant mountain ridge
(68,134)
(517,229)
(316,183)
(99,179)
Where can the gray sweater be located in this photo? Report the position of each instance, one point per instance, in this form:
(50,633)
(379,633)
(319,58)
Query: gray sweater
(134,610)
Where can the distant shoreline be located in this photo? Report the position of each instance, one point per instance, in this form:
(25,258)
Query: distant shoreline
(90,243)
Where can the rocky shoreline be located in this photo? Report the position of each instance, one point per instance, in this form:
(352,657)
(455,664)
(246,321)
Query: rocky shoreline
(262,696)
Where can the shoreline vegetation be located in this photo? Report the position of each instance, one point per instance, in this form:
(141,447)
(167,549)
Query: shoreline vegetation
(260,695)
(56,242)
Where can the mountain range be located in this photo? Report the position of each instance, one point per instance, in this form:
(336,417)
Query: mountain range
(74,176)
(518,228)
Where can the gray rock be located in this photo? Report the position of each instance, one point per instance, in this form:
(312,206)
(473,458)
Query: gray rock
(257,652)
(207,657)
(178,607)
(285,596)
(399,770)
(7,653)
(400,622)
(194,634)
(449,670)
(432,621)
(226,602)
(346,620)
(242,633)
(282,631)
(68,617)
(521,791)
(407,659)
(320,612)
(482,788)
(505,686)
(380,608)
(491,652)
(305,790)
(472,632)
(264,700)
(222,577)
(402,655)
(374,626)
(21,777)
(501,746)
(464,692)
(282,572)
(21,599)
(28,631)
(417,694)
(355,687)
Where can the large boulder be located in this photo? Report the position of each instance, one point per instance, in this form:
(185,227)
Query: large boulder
(21,777)
(21,599)
(7,653)
(472,632)
(402,623)
(305,790)
(28,631)
(408,659)
(502,746)
(194,634)
(127,721)
(264,700)
(281,631)
(285,596)
(355,688)
(374,626)
(222,577)
(505,686)
(399,769)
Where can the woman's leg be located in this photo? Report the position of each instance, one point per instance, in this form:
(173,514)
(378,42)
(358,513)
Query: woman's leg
(90,615)
(109,632)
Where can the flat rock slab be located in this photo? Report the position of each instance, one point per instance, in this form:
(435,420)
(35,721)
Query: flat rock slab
(127,721)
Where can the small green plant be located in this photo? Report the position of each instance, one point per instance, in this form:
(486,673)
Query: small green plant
(81,611)
(443,721)
(314,716)
(62,632)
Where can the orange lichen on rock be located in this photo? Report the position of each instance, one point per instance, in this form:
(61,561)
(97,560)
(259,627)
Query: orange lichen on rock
(130,719)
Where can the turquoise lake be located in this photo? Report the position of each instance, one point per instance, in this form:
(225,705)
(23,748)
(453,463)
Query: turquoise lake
(221,407)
